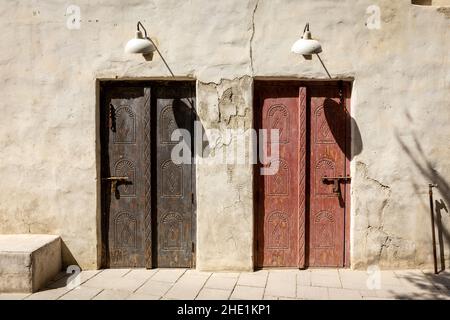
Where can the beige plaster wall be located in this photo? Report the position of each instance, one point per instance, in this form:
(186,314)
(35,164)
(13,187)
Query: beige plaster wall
(400,106)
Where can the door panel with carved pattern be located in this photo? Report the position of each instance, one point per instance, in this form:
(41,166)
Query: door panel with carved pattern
(328,140)
(174,183)
(125,174)
(281,196)
(301,213)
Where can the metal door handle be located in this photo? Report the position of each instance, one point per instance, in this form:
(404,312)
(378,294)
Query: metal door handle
(115,178)
(336,180)
(114,181)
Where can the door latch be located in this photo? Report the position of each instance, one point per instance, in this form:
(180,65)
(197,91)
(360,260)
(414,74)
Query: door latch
(114,181)
(336,183)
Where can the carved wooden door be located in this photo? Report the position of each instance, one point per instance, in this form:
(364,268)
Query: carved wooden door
(148,216)
(281,196)
(125,174)
(329,196)
(174,182)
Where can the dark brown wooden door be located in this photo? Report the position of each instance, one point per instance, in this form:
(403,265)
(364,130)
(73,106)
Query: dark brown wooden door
(174,182)
(327,213)
(125,131)
(148,216)
(281,196)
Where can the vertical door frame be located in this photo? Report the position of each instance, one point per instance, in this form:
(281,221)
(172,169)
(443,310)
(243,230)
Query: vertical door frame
(101,85)
(347,89)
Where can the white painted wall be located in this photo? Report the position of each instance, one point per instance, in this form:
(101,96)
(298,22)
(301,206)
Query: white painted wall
(400,104)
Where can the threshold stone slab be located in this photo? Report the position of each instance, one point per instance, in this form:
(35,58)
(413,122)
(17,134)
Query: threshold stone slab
(28,261)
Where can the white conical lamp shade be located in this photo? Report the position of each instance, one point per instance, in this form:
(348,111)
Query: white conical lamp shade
(306,46)
(139,45)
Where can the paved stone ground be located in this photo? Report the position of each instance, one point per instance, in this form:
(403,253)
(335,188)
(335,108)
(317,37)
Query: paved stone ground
(265,284)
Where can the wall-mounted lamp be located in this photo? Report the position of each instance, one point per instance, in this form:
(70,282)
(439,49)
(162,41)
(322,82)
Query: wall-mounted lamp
(141,44)
(306,45)
(144,45)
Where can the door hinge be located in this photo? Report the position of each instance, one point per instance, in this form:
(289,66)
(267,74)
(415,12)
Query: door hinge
(193,247)
(192,197)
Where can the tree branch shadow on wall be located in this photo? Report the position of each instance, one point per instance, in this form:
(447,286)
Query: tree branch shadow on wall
(431,286)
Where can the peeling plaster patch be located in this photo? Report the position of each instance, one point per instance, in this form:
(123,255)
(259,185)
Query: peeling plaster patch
(445,11)
(232,108)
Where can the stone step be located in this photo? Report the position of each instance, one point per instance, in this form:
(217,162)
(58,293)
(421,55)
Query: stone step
(28,261)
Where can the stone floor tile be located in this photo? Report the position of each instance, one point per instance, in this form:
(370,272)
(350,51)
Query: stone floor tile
(326,272)
(266,297)
(154,288)
(115,273)
(404,293)
(366,293)
(304,278)
(168,275)
(415,281)
(81,293)
(48,294)
(88,274)
(193,272)
(388,278)
(281,284)
(247,293)
(325,278)
(14,296)
(376,298)
(312,293)
(225,275)
(137,296)
(187,287)
(356,285)
(343,294)
(226,283)
(140,274)
(62,280)
(253,279)
(440,281)
(213,294)
(112,295)
(352,279)
(113,283)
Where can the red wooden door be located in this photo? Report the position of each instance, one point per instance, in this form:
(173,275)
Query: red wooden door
(328,149)
(281,197)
